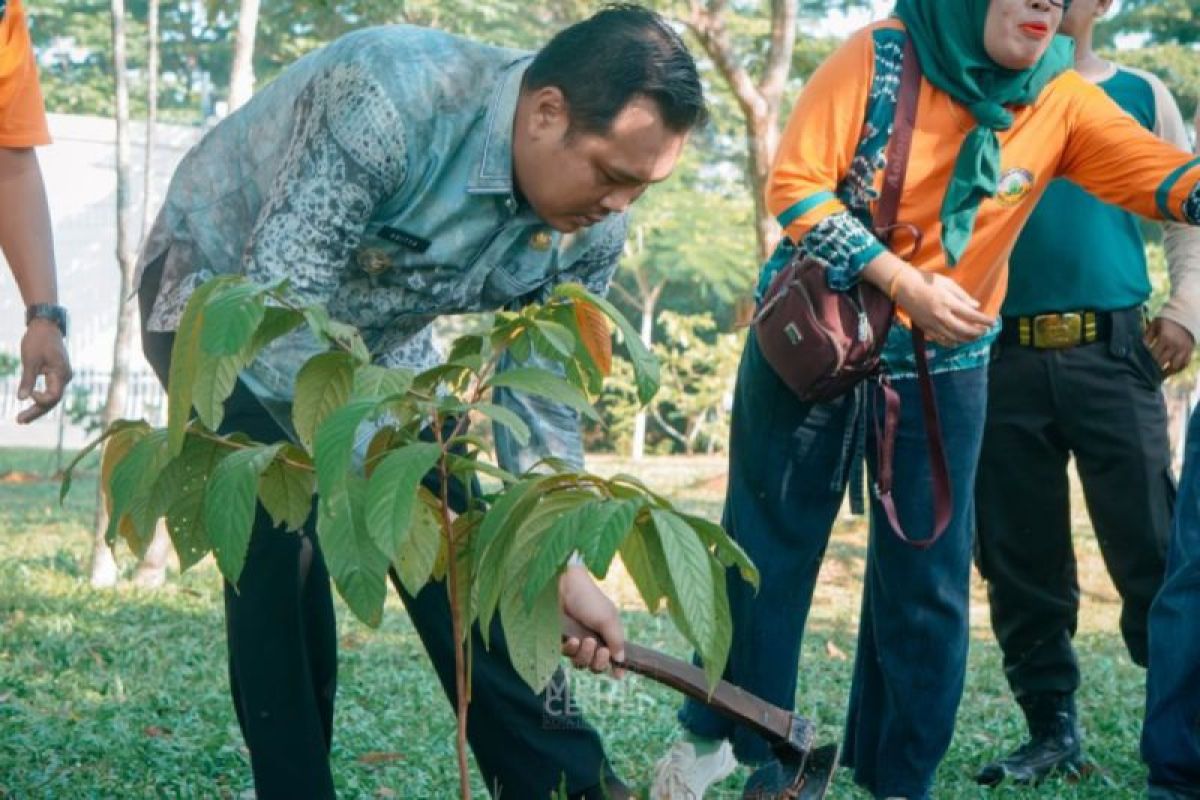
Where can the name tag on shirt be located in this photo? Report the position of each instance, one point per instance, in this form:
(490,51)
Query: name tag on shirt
(404,239)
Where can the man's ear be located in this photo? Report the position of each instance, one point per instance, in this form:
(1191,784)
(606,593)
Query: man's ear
(548,111)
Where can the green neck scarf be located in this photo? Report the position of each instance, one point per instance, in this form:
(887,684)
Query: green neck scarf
(950,46)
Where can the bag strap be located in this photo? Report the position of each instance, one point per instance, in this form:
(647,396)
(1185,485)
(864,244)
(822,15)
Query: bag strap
(899,148)
(900,144)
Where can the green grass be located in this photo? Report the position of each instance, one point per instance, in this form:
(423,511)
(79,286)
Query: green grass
(122,694)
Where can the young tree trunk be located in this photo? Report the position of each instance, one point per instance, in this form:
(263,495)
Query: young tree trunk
(649,301)
(759,101)
(148,205)
(104,568)
(152,571)
(241,73)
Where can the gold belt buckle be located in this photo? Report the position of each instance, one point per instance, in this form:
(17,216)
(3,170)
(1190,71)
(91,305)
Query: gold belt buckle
(1052,331)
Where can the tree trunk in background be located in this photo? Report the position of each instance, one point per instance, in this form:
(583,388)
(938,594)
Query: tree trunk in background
(152,571)
(104,567)
(759,101)
(241,73)
(649,303)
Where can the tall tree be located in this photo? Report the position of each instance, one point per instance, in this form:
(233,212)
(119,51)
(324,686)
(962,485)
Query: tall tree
(690,249)
(152,571)
(241,73)
(1168,34)
(1163,21)
(759,99)
(104,568)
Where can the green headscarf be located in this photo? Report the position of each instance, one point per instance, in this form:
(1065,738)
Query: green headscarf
(950,46)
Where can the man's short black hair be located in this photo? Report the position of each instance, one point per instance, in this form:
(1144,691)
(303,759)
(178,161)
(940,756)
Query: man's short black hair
(620,53)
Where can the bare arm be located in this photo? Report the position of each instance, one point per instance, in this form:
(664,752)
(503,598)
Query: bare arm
(28,246)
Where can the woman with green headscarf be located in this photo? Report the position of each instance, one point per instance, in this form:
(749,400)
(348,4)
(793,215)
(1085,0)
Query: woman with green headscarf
(999,115)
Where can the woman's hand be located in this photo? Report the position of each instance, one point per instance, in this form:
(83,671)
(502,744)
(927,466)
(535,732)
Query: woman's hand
(936,304)
(940,307)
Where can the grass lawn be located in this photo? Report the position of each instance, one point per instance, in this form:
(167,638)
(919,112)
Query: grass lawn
(122,694)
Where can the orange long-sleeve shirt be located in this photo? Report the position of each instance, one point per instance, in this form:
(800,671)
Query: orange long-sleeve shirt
(831,155)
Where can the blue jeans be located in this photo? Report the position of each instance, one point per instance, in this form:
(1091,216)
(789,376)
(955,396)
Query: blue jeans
(1171,733)
(787,477)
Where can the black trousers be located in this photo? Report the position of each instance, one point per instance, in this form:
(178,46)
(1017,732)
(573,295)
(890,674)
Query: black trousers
(281,632)
(1102,404)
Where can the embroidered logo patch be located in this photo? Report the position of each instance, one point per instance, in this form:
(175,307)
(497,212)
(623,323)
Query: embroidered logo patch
(1015,186)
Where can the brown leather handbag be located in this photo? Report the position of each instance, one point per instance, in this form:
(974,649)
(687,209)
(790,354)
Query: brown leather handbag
(822,343)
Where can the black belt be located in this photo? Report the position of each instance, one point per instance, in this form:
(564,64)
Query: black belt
(1055,331)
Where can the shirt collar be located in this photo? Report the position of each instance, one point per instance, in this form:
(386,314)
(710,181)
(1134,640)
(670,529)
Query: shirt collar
(494,175)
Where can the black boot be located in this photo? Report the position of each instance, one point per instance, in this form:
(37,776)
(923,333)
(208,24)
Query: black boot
(1054,743)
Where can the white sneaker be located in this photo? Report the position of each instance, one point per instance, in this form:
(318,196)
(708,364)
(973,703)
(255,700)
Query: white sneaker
(682,774)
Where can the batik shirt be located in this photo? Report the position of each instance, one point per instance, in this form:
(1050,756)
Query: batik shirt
(376,176)
(829,172)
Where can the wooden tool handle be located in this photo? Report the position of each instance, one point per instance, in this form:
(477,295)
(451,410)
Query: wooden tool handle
(772,722)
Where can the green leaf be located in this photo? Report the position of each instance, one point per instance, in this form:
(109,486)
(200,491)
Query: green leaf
(470,347)
(615,519)
(341,524)
(464,441)
(185,358)
(135,473)
(534,637)
(645,365)
(334,443)
(276,322)
(714,666)
(113,430)
(728,552)
(392,493)
(373,381)
(555,546)
(339,334)
(417,557)
(692,590)
(460,465)
(229,505)
(636,558)
(532,380)
(509,419)
(231,316)
(323,384)
(452,374)
(358,567)
(559,337)
(216,377)
(184,480)
(286,492)
(492,540)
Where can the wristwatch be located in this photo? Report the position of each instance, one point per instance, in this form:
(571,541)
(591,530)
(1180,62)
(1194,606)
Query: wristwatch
(56,314)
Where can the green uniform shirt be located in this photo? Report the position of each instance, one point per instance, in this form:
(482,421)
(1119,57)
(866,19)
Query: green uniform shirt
(1077,252)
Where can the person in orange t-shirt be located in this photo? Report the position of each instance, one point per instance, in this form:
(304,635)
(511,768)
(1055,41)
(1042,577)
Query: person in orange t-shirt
(25,222)
(999,115)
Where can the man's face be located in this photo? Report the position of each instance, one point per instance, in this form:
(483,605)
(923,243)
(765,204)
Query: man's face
(572,180)
(1082,15)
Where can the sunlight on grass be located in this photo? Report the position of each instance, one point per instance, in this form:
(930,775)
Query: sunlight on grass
(123,693)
